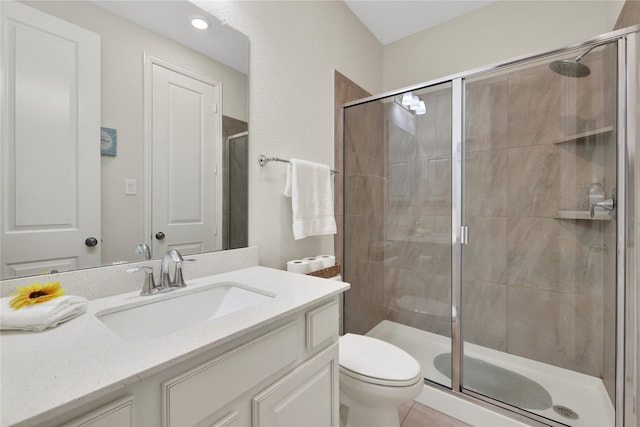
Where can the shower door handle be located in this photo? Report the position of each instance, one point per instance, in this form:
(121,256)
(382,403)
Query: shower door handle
(608,204)
(464,235)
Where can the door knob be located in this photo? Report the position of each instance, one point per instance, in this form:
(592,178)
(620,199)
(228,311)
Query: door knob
(91,241)
(159,235)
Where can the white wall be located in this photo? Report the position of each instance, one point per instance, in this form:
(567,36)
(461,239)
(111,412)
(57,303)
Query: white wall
(504,30)
(295,47)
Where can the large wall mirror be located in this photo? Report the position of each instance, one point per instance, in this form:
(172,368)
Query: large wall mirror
(124,133)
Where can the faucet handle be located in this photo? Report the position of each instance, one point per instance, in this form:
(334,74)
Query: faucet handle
(179,278)
(149,286)
(608,204)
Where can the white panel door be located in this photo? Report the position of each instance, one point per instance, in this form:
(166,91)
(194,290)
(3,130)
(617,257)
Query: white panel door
(50,143)
(186,138)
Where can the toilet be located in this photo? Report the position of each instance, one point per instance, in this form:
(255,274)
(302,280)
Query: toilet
(375,377)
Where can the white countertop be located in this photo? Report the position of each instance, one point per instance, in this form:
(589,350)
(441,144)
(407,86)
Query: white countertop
(44,374)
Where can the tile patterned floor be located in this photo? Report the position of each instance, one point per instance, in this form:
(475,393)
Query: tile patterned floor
(414,414)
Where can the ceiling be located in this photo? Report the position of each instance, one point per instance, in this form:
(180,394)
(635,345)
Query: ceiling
(172,19)
(392,20)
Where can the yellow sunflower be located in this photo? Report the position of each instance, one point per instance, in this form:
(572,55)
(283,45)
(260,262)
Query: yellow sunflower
(36,293)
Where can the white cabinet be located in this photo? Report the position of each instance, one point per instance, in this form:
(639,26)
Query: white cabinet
(305,397)
(196,394)
(118,413)
(284,373)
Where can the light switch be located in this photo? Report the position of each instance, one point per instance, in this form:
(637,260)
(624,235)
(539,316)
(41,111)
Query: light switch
(130,187)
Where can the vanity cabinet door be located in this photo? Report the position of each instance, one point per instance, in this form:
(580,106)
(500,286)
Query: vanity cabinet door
(308,396)
(194,396)
(118,413)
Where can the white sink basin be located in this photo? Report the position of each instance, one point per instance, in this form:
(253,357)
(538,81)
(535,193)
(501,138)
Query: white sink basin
(163,316)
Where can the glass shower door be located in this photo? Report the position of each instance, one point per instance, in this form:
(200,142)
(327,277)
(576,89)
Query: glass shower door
(397,248)
(539,269)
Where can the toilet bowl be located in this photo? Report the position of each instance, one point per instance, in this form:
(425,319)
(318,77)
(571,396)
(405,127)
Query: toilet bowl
(375,377)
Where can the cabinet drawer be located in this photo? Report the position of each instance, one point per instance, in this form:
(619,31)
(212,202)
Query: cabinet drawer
(198,393)
(322,325)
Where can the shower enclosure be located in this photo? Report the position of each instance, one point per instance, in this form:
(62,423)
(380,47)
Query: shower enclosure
(488,230)
(235,221)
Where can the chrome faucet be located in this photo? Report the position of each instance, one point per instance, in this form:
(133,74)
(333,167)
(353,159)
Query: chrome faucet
(143,248)
(165,278)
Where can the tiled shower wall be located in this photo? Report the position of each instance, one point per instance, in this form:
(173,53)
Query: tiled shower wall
(364,206)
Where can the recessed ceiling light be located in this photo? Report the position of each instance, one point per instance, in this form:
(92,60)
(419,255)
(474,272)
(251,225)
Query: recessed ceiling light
(199,24)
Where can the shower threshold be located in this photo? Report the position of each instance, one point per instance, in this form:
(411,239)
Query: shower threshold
(572,394)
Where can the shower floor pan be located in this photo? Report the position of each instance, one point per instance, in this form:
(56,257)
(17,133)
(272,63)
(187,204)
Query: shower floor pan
(583,395)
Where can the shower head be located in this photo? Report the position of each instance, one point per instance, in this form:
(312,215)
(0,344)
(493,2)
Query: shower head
(569,68)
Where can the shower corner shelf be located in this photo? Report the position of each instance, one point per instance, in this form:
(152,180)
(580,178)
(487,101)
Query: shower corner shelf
(599,216)
(582,137)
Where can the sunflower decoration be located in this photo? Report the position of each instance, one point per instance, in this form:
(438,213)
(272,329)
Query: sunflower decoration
(35,293)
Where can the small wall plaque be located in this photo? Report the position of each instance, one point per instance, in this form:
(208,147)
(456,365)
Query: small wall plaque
(108,141)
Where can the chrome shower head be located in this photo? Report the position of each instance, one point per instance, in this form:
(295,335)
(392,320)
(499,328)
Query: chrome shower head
(575,68)
(568,68)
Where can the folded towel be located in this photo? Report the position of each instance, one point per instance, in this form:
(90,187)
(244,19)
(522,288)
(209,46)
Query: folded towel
(309,186)
(38,317)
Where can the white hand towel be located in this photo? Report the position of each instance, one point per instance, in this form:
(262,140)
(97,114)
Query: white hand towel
(38,317)
(309,186)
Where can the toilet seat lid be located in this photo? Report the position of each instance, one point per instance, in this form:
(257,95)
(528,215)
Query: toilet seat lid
(377,360)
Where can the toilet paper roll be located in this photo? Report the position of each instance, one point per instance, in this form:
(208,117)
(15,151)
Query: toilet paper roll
(299,266)
(315,263)
(327,260)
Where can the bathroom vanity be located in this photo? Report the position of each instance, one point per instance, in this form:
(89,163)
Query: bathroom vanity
(270,361)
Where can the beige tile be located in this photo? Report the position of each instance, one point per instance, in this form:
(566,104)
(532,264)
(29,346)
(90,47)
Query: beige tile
(553,254)
(356,200)
(560,329)
(403,410)
(496,122)
(534,107)
(579,166)
(433,130)
(354,130)
(433,184)
(375,197)
(486,183)
(533,179)
(486,115)
(422,416)
(485,314)
(485,257)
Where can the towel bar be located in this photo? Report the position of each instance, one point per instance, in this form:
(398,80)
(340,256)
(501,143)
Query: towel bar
(263,160)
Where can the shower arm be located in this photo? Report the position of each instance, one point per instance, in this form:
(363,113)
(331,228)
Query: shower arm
(584,53)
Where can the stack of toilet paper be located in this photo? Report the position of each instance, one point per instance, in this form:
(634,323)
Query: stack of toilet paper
(311,264)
